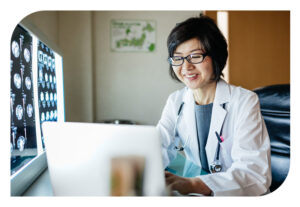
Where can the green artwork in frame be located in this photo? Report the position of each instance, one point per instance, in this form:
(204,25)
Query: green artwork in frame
(133,35)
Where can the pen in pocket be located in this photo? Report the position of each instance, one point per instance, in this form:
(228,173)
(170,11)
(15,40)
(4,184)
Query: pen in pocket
(220,138)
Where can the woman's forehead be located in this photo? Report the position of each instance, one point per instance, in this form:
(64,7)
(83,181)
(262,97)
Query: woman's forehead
(191,45)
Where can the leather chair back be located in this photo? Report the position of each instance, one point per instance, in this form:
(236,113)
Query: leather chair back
(275,108)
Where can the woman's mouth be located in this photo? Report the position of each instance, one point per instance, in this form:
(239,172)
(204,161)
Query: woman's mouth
(191,77)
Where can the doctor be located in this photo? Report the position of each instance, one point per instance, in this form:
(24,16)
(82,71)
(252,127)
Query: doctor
(219,126)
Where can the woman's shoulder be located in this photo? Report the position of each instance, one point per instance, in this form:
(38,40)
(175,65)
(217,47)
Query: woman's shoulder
(242,96)
(240,92)
(178,94)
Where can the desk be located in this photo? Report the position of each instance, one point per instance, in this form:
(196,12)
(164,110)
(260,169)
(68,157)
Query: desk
(180,166)
(41,186)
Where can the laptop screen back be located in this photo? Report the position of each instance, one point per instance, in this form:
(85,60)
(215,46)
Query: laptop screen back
(82,157)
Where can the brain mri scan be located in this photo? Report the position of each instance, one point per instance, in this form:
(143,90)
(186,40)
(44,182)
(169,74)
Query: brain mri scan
(26,55)
(33,93)
(17,80)
(29,109)
(28,83)
(15,49)
(46,84)
(23,132)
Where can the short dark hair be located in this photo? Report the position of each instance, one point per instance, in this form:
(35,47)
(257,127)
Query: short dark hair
(207,32)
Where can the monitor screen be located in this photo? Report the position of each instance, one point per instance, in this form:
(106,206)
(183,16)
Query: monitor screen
(36,94)
(47,93)
(23,123)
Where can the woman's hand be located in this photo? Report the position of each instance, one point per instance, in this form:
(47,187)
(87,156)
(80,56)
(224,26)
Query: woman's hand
(186,185)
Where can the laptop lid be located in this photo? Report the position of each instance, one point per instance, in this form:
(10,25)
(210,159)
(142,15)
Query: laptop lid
(81,157)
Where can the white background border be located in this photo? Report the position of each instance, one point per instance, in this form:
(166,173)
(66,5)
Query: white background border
(14,11)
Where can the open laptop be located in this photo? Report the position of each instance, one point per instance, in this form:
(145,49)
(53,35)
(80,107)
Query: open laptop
(80,156)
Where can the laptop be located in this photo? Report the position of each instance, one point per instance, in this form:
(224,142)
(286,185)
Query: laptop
(86,159)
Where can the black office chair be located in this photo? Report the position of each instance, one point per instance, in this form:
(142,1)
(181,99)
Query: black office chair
(275,108)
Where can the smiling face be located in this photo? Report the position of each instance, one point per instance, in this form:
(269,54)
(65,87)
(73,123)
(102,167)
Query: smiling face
(194,76)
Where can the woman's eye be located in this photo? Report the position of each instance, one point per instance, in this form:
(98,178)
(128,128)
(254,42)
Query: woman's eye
(196,56)
(176,58)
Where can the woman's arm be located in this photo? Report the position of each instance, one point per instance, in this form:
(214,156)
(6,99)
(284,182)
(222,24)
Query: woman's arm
(165,127)
(186,185)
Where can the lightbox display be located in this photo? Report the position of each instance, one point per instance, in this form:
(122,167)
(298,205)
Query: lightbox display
(23,143)
(46,85)
(36,93)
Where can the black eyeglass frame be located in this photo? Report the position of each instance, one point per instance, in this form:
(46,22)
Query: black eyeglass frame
(188,58)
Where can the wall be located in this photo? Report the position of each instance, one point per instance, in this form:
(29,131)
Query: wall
(259,45)
(71,31)
(135,85)
(75,40)
(100,84)
(47,23)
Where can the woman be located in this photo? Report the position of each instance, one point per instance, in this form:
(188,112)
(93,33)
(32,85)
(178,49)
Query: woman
(219,125)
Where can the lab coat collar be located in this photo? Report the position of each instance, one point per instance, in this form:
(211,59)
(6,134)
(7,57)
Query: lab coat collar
(222,92)
(218,115)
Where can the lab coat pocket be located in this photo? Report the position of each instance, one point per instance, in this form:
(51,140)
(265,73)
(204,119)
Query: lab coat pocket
(225,152)
(183,135)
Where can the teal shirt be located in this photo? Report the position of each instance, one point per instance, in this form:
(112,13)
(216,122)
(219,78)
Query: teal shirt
(203,117)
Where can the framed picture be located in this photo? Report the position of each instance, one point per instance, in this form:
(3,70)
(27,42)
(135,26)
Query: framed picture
(133,35)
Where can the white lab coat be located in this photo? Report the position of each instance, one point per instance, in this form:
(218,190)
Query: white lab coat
(245,152)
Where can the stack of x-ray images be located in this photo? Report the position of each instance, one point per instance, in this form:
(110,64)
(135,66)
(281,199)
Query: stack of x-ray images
(23,132)
(46,85)
(36,93)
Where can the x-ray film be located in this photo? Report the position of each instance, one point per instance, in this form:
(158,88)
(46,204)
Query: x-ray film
(23,132)
(46,85)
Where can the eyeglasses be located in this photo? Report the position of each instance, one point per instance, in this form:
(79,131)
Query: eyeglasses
(192,58)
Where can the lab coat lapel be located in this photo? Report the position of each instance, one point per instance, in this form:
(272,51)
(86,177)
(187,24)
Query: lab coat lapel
(189,119)
(217,119)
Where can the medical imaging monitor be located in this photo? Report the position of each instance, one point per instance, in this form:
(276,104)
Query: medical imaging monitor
(36,96)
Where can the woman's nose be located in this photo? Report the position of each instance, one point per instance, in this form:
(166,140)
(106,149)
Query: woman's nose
(187,65)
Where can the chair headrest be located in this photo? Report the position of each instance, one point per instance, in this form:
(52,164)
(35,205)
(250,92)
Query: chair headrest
(274,97)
